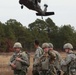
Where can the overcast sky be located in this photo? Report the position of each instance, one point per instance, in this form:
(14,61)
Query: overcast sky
(65,12)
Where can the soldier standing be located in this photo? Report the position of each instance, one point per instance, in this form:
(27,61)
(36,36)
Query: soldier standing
(47,60)
(69,58)
(57,59)
(19,60)
(38,54)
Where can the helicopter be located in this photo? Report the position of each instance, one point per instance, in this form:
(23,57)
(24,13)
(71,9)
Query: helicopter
(34,5)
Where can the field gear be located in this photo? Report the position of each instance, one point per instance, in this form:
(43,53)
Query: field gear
(38,54)
(56,59)
(17,44)
(53,69)
(44,72)
(50,71)
(45,63)
(35,72)
(70,64)
(68,46)
(19,72)
(36,64)
(47,66)
(51,45)
(21,66)
(57,63)
(45,45)
(52,55)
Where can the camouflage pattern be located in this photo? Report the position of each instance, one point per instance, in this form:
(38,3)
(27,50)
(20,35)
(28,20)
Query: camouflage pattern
(45,45)
(36,65)
(58,60)
(47,61)
(57,57)
(47,64)
(44,60)
(65,63)
(55,61)
(17,44)
(52,56)
(68,45)
(37,55)
(21,66)
(53,69)
(19,72)
(51,45)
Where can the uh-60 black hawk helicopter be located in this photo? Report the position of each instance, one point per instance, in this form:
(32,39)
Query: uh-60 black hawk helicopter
(34,5)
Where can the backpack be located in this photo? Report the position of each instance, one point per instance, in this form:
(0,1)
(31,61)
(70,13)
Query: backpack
(72,67)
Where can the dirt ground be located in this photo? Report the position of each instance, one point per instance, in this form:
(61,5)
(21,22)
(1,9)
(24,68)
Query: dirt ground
(5,68)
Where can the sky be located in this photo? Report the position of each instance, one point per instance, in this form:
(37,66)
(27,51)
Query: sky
(65,12)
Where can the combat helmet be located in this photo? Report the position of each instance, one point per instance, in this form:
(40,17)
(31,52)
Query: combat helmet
(50,45)
(17,44)
(68,46)
(45,45)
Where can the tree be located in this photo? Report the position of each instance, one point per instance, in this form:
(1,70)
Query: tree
(52,31)
(20,32)
(65,35)
(38,30)
(2,37)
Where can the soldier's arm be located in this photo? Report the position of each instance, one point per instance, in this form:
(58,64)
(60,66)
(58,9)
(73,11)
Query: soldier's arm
(36,58)
(66,61)
(11,59)
(37,54)
(25,60)
(59,56)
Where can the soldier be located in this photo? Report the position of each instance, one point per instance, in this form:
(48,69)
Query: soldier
(66,63)
(19,60)
(47,60)
(57,59)
(38,54)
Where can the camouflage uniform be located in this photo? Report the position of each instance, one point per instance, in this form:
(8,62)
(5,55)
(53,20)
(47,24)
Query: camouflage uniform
(47,61)
(66,62)
(57,60)
(21,66)
(37,55)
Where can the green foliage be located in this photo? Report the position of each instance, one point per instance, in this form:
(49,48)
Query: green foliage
(44,31)
(65,34)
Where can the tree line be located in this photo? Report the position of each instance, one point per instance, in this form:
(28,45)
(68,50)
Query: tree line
(45,31)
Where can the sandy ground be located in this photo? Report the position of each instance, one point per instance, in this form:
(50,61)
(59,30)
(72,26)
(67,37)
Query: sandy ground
(6,70)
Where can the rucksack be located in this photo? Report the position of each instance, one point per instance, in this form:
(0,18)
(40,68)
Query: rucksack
(72,67)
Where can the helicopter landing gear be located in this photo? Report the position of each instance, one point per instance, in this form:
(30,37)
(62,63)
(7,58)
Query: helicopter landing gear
(21,6)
